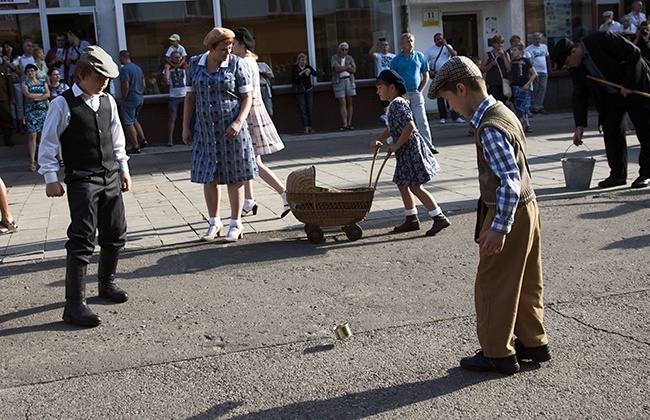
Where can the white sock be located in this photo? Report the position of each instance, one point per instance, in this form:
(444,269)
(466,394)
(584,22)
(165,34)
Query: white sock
(435,212)
(235,223)
(411,212)
(284,198)
(213,221)
(249,203)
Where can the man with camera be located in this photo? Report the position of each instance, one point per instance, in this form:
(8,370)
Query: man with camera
(613,60)
(437,55)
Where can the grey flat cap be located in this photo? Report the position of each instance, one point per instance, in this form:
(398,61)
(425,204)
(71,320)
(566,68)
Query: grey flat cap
(100,61)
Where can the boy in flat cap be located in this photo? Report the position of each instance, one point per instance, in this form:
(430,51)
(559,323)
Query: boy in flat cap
(508,289)
(85,124)
(610,57)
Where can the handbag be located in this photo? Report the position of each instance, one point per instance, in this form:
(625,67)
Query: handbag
(505,83)
(297,88)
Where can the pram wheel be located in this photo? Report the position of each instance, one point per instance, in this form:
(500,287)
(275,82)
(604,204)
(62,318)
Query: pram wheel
(314,234)
(353,232)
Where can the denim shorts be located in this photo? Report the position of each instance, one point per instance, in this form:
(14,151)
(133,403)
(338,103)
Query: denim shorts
(174,105)
(130,112)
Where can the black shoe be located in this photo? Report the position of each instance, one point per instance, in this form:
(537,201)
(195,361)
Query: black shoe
(536,354)
(641,182)
(434,151)
(133,151)
(143,144)
(79,313)
(113,292)
(480,363)
(610,182)
(410,224)
(439,223)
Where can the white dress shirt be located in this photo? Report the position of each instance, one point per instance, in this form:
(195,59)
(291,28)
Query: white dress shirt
(58,119)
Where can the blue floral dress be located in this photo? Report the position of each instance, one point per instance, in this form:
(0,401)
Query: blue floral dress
(35,111)
(415,163)
(217,106)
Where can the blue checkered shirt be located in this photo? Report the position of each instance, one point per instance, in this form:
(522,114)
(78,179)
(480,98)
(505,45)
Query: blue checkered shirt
(500,156)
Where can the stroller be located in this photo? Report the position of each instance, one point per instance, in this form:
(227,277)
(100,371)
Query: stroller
(319,207)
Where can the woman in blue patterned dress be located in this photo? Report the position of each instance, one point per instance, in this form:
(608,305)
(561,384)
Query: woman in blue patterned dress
(37,96)
(415,162)
(220,96)
(266,139)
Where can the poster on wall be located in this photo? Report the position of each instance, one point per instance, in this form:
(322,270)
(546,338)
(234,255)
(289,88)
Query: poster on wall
(558,18)
(430,17)
(490,25)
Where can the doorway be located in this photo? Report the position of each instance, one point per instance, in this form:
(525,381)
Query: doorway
(83,22)
(461,33)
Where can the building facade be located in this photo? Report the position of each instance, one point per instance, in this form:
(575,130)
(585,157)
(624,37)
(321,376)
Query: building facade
(285,28)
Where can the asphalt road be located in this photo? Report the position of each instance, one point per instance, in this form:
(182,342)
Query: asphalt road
(245,331)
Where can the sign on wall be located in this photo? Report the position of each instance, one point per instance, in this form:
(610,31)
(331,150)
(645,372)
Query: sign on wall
(14,1)
(490,25)
(431,17)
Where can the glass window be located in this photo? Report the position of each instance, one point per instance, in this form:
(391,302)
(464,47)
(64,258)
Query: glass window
(557,19)
(279,28)
(357,22)
(19,27)
(21,4)
(69,3)
(148,27)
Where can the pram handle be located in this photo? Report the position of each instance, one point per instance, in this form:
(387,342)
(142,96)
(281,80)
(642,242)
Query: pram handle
(372,167)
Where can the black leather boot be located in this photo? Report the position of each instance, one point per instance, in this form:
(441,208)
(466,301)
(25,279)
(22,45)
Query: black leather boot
(412,223)
(439,223)
(76,311)
(106,275)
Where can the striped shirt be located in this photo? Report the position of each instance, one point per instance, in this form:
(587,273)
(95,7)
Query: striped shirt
(500,156)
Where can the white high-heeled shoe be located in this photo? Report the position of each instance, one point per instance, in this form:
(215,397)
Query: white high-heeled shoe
(253,208)
(212,232)
(234,233)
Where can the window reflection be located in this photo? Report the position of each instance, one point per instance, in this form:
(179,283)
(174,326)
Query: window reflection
(148,28)
(69,3)
(279,28)
(17,28)
(357,22)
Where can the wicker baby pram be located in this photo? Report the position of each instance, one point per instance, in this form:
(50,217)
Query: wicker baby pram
(319,207)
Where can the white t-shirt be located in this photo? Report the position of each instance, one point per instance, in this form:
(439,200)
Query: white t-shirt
(538,55)
(382,61)
(171,49)
(177,83)
(432,53)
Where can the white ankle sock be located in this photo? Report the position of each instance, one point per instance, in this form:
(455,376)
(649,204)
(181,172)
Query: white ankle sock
(249,203)
(284,198)
(435,212)
(213,221)
(235,222)
(411,212)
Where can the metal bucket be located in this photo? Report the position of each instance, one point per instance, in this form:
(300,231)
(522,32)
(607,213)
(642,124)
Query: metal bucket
(578,171)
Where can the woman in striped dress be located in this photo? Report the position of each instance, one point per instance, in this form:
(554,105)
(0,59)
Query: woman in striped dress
(266,139)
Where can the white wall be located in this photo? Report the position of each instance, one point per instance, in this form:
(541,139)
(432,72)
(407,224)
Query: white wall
(509,14)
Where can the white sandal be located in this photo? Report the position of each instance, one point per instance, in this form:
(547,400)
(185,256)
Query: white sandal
(234,233)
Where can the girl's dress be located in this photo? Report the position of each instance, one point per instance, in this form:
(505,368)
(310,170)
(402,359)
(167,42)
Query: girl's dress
(35,111)
(415,162)
(266,139)
(217,106)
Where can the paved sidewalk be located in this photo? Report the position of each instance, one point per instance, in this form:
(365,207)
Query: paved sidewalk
(165,209)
